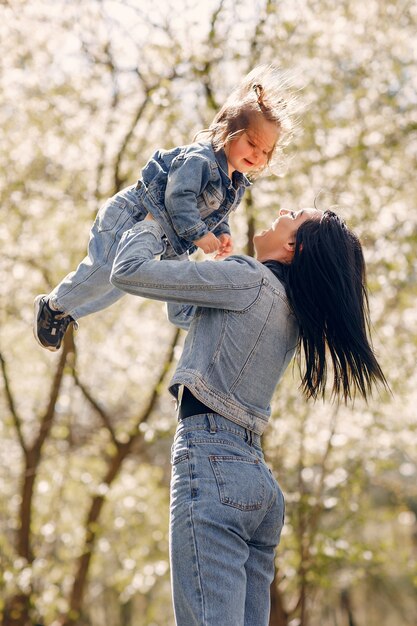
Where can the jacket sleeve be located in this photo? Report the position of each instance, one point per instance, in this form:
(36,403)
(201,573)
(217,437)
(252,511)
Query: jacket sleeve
(222,228)
(232,284)
(181,315)
(186,179)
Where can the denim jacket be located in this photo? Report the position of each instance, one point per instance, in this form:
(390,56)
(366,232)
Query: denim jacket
(242,333)
(188,191)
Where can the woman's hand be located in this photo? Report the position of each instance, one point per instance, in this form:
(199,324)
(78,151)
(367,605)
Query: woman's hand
(149,217)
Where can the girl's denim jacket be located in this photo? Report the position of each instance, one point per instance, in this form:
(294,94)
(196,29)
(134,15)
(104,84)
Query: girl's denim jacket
(242,333)
(188,191)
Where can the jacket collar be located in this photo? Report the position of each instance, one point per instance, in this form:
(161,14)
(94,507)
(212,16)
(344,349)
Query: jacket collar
(241,179)
(280,270)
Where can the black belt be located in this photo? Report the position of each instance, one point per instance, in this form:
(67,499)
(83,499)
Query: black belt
(191,406)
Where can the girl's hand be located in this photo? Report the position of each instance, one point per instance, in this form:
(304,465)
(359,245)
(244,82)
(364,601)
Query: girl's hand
(149,217)
(226,246)
(208,243)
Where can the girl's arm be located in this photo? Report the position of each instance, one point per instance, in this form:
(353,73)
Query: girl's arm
(233,284)
(187,177)
(222,229)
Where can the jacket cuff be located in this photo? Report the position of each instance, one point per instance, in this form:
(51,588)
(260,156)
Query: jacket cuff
(194,233)
(221,229)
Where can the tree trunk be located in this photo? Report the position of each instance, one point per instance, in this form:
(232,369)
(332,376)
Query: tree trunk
(18,607)
(126,613)
(345,603)
(92,522)
(279,616)
(250,220)
(77,595)
(16,612)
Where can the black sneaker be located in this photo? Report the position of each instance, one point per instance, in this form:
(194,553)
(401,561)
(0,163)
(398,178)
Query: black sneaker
(49,326)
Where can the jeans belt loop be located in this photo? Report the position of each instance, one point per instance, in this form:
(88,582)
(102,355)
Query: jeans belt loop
(212,422)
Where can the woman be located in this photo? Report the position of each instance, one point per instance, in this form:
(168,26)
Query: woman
(305,293)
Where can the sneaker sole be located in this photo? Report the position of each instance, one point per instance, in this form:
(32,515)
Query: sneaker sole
(36,307)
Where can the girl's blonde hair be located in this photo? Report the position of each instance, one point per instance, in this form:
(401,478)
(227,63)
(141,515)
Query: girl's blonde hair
(265,93)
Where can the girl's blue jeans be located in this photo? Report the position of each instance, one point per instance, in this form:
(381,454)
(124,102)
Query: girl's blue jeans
(227,512)
(88,289)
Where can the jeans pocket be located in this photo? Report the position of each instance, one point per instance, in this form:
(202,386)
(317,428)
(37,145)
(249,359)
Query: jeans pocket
(240,481)
(180,458)
(179,452)
(110,214)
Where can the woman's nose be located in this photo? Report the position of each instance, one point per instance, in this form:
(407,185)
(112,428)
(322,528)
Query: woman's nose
(284,211)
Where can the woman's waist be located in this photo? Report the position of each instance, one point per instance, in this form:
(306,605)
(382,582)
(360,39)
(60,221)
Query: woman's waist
(214,423)
(189,405)
(229,405)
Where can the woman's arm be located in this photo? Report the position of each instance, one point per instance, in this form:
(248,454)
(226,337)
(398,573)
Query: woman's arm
(232,284)
(181,315)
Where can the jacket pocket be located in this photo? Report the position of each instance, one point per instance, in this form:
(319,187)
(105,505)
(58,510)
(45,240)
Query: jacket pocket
(240,481)
(209,201)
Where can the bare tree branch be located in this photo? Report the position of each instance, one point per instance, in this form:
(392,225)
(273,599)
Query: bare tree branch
(255,47)
(96,406)
(48,416)
(148,89)
(18,605)
(318,508)
(12,407)
(157,388)
(113,469)
(212,44)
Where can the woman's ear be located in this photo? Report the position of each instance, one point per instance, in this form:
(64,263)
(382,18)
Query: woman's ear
(289,249)
(290,246)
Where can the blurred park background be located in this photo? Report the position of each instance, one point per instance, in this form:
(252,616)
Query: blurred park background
(89,88)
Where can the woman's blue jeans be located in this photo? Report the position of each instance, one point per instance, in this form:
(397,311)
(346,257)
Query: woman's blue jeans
(227,512)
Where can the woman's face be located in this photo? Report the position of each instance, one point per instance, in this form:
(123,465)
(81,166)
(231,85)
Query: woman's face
(277,242)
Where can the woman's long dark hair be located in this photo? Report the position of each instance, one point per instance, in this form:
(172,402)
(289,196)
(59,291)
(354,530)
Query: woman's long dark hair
(326,286)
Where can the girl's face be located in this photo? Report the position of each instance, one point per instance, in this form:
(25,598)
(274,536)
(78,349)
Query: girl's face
(251,149)
(277,242)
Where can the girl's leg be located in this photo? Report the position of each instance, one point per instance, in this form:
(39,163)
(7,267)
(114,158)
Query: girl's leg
(88,289)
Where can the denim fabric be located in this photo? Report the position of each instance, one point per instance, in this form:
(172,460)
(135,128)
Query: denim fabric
(186,189)
(242,333)
(171,182)
(88,289)
(226,516)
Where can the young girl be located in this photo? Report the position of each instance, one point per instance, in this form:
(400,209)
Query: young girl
(189,190)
